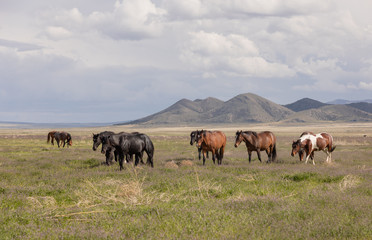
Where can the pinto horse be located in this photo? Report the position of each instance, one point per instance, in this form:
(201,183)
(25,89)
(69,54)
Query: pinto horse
(258,142)
(64,137)
(51,137)
(213,141)
(301,152)
(193,135)
(310,143)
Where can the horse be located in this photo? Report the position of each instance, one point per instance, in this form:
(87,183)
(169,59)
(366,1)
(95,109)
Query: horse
(310,143)
(51,137)
(263,141)
(110,152)
(301,152)
(129,144)
(193,139)
(64,137)
(214,141)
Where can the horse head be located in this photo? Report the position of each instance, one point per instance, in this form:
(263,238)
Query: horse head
(193,136)
(69,139)
(96,141)
(238,138)
(296,147)
(199,138)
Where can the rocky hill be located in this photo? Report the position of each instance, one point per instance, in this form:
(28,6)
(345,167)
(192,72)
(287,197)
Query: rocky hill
(251,108)
(305,104)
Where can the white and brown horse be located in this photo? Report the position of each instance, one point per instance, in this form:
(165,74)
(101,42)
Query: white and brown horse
(309,143)
(263,141)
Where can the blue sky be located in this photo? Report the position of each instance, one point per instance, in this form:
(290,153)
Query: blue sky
(104,61)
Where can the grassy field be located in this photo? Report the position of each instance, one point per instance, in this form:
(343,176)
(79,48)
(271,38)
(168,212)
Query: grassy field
(49,193)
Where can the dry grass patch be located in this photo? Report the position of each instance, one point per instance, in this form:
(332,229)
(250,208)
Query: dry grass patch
(349,181)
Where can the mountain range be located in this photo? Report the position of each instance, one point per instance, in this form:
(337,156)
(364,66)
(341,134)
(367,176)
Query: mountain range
(251,108)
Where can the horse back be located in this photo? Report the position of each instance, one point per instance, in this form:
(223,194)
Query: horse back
(266,139)
(218,138)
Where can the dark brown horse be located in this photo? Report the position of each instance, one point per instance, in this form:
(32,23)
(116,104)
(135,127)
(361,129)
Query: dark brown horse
(310,143)
(263,141)
(64,137)
(51,137)
(213,141)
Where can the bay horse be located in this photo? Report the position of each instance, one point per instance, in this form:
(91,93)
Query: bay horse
(64,137)
(213,141)
(51,137)
(263,141)
(310,143)
(193,135)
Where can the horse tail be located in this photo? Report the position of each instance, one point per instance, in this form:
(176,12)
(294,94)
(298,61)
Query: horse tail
(48,138)
(333,148)
(273,156)
(149,148)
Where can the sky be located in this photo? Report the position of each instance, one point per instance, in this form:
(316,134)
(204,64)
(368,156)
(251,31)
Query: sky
(107,61)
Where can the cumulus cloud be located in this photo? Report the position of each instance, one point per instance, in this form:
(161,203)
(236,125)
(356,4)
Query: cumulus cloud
(232,54)
(242,8)
(129,19)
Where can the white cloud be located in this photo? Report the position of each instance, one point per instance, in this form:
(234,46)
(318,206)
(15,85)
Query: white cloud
(366,86)
(57,33)
(129,19)
(232,54)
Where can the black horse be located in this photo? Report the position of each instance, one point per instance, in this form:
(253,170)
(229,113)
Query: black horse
(193,135)
(129,144)
(110,152)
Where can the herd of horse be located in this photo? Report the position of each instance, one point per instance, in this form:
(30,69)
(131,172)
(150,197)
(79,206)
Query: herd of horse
(122,146)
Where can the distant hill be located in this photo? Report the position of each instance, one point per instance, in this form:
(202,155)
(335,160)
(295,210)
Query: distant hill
(343,101)
(304,104)
(364,106)
(251,108)
(242,108)
(343,113)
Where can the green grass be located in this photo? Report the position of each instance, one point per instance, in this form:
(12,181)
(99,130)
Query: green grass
(49,193)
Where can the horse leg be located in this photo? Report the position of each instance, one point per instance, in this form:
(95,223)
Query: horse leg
(203,157)
(249,156)
(199,151)
(109,157)
(136,159)
(268,155)
(57,140)
(259,155)
(121,160)
(142,158)
(222,150)
(214,156)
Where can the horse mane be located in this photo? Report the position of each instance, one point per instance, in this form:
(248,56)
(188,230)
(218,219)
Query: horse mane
(252,132)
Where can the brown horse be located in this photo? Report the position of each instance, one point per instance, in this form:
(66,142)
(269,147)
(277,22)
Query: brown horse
(51,137)
(263,141)
(310,143)
(64,137)
(213,141)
